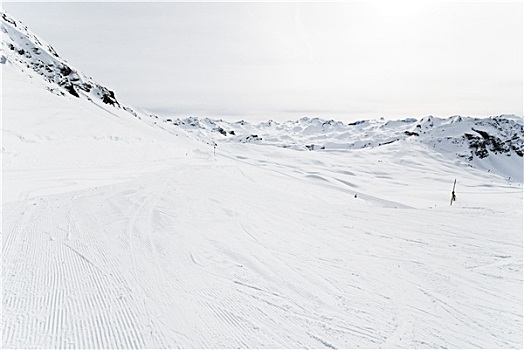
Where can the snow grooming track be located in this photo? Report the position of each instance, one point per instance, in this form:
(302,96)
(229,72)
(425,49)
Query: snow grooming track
(75,303)
(198,254)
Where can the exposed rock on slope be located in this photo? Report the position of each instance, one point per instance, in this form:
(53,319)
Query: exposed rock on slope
(23,48)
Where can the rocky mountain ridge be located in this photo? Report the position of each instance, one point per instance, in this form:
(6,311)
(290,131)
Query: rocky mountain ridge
(25,49)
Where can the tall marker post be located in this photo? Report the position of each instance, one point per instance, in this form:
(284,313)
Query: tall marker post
(453,197)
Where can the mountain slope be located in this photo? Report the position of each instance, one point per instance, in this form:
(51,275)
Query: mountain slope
(120,231)
(28,51)
(53,140)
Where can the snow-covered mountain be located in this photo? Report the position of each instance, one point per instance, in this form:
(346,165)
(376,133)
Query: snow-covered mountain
(487,143)
(126,230)
(494,144)
(53,121)
(34,55)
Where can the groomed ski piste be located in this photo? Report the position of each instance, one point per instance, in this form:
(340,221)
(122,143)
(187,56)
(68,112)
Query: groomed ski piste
(125,230)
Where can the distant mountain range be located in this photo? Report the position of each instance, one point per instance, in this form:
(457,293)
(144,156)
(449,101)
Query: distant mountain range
(468,137)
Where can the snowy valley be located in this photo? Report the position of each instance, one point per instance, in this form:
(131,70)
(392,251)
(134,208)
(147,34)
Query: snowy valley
(124,229)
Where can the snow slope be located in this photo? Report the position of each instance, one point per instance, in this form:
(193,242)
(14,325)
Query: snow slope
(127,232)
(51,141)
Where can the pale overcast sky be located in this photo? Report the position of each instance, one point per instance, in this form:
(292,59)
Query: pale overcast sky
(256,61)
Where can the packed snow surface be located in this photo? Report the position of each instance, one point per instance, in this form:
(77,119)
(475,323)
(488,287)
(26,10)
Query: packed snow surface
(125,230)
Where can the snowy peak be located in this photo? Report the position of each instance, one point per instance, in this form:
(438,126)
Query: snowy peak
(500,135)
(26,50)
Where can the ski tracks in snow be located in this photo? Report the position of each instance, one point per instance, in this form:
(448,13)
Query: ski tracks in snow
(199,255)
(64,287)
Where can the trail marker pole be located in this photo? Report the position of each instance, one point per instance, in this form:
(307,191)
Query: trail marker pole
(453,197)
